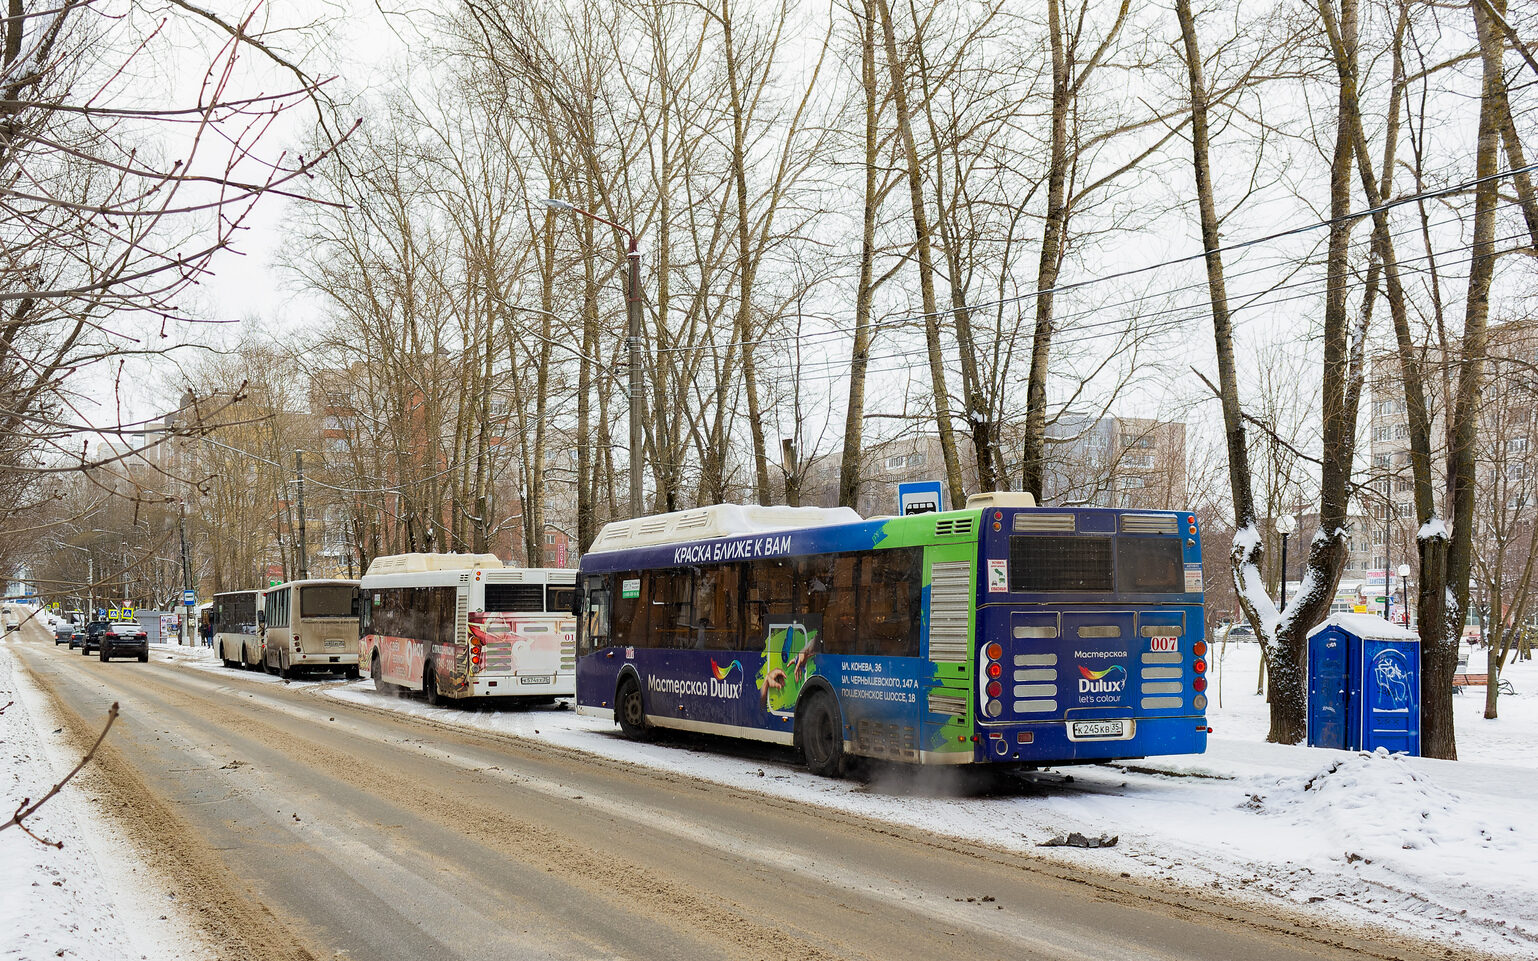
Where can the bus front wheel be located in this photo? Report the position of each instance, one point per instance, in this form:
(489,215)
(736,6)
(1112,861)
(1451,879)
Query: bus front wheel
(630,710)
(377,673)
(822,736)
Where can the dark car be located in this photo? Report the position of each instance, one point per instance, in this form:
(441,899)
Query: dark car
(62,632)
(118,640)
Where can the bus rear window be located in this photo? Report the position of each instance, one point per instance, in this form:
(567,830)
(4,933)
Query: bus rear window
(1150,565)
(328,601)
(511,598)
(1041,564)
(561,600)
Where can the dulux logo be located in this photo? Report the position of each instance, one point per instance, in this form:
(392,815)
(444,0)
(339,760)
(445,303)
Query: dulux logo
(1109,681)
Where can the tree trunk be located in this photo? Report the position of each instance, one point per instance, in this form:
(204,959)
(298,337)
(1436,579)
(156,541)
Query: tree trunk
(925,257)
(1461,469)
(852,464)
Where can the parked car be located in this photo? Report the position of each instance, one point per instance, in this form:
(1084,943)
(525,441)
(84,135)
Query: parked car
(63,631)
(123,640)
(1241,632)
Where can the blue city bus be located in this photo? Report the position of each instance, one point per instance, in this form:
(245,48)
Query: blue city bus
(1001,633)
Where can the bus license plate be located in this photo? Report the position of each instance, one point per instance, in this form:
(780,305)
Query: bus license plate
(1099,729)
(534,679)
(335,645)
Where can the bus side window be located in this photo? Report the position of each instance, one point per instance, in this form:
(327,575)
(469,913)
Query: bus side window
(766,593)
(594,622)
(627,613)
(892,599)
(717,596)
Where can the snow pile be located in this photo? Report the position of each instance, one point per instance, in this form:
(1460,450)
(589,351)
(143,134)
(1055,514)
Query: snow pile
(1383,829)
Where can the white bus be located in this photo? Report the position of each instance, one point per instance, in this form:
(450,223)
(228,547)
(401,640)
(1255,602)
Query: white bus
(236,638)
(465,626)
(311,625)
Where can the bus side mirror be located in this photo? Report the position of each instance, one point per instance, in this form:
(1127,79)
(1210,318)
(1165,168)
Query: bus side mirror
(261,618)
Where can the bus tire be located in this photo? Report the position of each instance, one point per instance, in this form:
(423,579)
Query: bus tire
(821,732)
(352,673)
(630,710)
(377,673)
(430,686)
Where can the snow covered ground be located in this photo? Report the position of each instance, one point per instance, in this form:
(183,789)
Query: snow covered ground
(95,898)
(1439,849)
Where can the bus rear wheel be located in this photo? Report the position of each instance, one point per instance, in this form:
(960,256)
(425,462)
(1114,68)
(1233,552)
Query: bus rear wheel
(630,710)
(430,687)
(822,736)
(377,673)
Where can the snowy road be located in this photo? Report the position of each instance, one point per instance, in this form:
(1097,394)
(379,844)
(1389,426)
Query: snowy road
(299,825)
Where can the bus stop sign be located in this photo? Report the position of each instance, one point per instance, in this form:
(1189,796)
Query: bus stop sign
(921,497)
(190,598)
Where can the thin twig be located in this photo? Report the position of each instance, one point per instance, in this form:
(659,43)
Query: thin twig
(26,809)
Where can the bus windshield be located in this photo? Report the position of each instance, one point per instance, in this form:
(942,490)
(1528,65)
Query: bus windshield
(328,600)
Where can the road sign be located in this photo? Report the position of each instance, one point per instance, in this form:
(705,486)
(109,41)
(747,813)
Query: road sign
(921,497)
(101,613)
(190,598)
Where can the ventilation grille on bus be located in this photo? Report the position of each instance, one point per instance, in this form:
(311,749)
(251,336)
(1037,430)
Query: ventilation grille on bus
(1150,524)
(955,704)
(953,527)
(950,603)
(505,577)
(1043,522)
(462,616)
(650,526)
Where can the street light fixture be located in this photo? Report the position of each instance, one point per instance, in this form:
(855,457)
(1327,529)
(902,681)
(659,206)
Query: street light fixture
(633,314)
(1404,592)
(1285,525)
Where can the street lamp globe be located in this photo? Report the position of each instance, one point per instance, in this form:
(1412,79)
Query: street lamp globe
(1286,524)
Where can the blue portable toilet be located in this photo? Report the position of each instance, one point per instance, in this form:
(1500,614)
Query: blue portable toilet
(1364,682)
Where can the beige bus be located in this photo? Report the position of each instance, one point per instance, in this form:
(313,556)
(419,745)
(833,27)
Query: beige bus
(236,638)
(311,626)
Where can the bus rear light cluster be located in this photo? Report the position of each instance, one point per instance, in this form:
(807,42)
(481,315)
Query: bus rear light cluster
(1199,648)
(994,669)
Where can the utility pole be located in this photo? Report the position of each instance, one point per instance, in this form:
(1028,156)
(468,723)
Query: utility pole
(303,562)
(187,611)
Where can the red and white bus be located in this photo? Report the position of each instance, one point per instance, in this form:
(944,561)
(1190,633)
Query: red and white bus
(465,625)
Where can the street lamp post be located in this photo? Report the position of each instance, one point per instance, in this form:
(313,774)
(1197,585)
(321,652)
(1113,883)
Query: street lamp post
(1285,525)
(1404,592)
(633,316)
